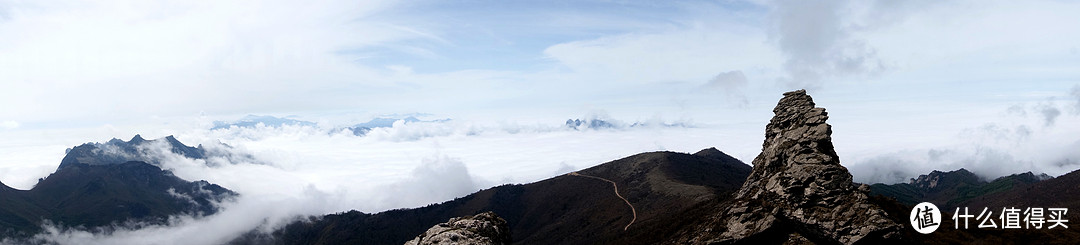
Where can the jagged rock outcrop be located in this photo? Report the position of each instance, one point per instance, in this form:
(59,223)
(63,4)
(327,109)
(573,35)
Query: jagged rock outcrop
(481,229)
(117,151)
(931,181)
(798,192)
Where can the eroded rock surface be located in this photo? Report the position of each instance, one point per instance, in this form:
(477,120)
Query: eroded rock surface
(481,229)
(799,189)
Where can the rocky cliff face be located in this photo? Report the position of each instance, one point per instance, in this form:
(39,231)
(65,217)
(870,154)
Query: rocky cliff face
(798,191)
(117,151)
(937,178)
(481,229)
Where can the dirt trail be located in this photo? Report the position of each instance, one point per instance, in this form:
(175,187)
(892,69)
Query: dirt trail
(632,210)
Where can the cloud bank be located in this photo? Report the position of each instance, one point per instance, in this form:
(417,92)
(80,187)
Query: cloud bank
(1017,142)
(290,171)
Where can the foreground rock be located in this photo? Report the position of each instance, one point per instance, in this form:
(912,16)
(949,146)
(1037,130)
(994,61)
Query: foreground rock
(481,229)
(798,191)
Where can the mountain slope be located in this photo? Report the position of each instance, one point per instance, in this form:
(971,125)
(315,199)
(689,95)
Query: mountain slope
(1059,192)
(97,188)
(662,186)
(949,189)
(1063,192)
(100,195)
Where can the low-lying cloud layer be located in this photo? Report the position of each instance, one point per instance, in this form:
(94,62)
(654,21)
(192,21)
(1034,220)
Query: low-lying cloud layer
(285,172)
(1024,137)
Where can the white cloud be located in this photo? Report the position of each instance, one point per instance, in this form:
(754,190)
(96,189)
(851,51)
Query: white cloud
(133,57)
(685,54)
(732,84)
(1075,94)
(9,124)
(819,43)
(981,41)
(1007,145)
(435,180)
(1050,113)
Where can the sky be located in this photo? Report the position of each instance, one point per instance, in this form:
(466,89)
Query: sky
(911,87)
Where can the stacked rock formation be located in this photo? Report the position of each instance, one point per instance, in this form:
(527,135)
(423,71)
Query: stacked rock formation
(798,191)
(481,229)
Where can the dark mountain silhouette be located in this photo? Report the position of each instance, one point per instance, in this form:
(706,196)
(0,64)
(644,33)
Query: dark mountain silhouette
(1063,191)
(949,189)
(98,188)
(1059,192)
(667,189)
(117,151)
(100,195)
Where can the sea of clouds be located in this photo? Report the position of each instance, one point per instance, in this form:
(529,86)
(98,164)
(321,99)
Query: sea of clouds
(291,171)
(301,170)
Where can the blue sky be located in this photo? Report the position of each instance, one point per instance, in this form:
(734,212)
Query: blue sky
(69,62)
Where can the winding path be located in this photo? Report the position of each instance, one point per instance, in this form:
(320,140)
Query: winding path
(632,210)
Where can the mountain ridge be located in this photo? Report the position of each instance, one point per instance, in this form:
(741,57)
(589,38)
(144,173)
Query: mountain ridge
(952,188)
(561,209)
(117,151)
(94,189)
(82,195)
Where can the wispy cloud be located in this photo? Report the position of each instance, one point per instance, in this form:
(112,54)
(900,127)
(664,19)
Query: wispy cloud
(819,42)
(1075,94)
(732,84)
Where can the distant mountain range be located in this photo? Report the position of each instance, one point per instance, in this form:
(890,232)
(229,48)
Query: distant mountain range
(251,121)
(594,123)
(361,129)
(385,122)
(950,189)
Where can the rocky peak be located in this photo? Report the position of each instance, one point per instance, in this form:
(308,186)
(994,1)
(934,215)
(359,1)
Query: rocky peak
(138,139)
(116,151)
(580,124)
(1042,176)
(798,189)
(952,178)
(481,229)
